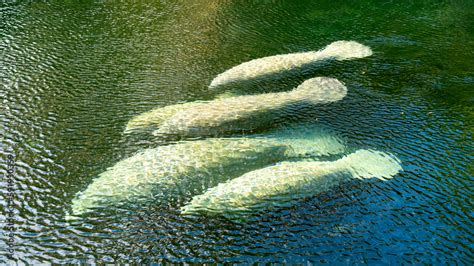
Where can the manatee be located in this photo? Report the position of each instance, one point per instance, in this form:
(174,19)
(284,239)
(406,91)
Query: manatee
(289,63)
(152,119)
(169,172)
(281,184)
(236,114)
(248,112)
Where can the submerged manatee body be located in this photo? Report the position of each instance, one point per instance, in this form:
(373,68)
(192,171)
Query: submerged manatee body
(152,119)
(249,112)
(237,114)
(189,167)
(280,184)
(279,64)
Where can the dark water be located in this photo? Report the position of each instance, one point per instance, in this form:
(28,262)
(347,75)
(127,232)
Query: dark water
(73,73)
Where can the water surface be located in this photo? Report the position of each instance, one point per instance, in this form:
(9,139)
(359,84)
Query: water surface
(73,74)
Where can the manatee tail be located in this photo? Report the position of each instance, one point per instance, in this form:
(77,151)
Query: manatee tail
(309,140)
(153,119)
(371,164)
(320,90)
(344,50)
(147,120)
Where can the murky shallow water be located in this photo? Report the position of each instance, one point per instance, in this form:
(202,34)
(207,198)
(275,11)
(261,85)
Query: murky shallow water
(74,74)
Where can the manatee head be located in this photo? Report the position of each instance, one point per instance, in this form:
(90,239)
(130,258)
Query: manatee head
(320,90)
(343,50)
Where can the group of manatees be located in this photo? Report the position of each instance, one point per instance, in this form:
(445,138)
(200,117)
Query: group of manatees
(240,175)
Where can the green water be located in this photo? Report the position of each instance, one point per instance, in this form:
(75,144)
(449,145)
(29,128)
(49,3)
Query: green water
(74,72)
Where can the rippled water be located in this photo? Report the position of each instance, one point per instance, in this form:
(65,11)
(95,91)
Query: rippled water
(73,74)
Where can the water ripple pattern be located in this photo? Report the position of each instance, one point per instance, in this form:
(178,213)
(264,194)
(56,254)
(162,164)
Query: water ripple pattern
(74,73)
